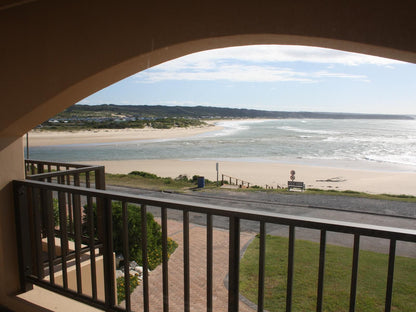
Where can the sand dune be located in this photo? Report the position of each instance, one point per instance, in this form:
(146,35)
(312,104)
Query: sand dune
(47,138)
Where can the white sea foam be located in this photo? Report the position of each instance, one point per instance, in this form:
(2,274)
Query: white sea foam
(371,141)
(300,130)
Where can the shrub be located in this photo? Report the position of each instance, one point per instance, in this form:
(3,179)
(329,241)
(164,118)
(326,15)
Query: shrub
(134,282)
(134,221)
(144,174)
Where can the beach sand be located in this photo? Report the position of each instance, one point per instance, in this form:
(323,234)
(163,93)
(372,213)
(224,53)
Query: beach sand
(47,138)
(274,174)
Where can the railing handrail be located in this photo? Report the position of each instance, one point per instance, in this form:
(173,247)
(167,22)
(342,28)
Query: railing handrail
(55,163)
(363,229)
(236,179)
(63,172)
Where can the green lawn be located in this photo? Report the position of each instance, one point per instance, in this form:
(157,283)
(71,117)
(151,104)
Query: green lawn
(371,279)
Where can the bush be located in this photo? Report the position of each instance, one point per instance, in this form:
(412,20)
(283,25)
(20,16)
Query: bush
(134,221)
(134,282)
(256,187)
(143,174)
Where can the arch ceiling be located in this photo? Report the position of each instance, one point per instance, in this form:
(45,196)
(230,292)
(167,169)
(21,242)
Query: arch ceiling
(54,53)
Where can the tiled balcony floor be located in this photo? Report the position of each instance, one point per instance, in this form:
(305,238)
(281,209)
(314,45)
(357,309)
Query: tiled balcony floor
(197,236)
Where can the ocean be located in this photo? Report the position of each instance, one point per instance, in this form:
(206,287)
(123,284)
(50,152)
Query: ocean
(353,143)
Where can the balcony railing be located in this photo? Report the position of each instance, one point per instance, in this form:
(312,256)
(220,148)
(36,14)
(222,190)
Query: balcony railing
(41,265)
(65,173)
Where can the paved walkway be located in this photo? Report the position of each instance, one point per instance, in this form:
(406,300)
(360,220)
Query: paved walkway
(197,272)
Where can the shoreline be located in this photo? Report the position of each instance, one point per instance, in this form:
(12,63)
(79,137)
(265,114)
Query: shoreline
(273,174)
(375,178)
(51,138)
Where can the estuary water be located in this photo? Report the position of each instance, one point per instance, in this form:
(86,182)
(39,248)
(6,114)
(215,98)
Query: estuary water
(357,143)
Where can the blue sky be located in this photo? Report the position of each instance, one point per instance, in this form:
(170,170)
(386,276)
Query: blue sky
(271,77)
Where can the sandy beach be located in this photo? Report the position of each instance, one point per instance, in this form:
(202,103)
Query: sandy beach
(48,138)
(323,176)
(274,174)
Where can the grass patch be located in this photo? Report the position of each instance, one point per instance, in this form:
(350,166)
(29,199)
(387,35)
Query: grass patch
(371,279)
(141,179)
(151,181)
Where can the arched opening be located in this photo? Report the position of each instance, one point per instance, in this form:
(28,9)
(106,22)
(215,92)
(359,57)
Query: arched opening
(54,54)
(88,81)
(295,85)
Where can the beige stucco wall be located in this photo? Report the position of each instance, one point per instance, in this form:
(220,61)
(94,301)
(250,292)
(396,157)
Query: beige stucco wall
(86,278)
(54,53)
(11,167)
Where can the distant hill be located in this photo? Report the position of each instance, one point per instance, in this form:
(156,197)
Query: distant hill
(205,112)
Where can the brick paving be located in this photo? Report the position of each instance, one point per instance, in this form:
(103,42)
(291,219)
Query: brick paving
(197,272)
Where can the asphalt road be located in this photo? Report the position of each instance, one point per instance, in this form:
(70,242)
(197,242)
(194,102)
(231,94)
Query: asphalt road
(329,207)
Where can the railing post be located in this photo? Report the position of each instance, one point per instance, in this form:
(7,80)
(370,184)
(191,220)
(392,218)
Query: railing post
(234,264)
(390,275)
(23,236)
(143,212)
(290,268)
(108,253)
(100,184)
(100,178)
(186,275)
(322,251)
(165,267)
(262,266)
(209,262)
(50,233)
(354,272)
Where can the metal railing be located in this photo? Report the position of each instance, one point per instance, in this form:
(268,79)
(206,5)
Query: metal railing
(238,182)
(65,173)
(30,203)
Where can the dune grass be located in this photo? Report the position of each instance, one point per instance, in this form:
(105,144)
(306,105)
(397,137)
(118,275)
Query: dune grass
(371,279)
(182,183)
(141,179)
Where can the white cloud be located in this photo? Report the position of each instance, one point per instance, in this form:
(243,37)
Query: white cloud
(275,53)
(326,74)
(260,64)
(228,72)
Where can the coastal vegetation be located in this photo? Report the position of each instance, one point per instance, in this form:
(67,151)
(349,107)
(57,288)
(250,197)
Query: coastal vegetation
(116,123)
(372,277)
(203,112)
(110,116)
(134,220)
(141,179)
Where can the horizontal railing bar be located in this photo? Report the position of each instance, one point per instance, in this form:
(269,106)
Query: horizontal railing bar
(84,239)
(71,255)
(370,230)
(55,163)
(62,172)
(72,294)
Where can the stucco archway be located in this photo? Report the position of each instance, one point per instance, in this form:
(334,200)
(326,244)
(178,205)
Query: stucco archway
(58,53)
(54,53)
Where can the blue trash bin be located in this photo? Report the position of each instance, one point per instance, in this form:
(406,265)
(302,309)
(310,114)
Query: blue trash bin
(201,182)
